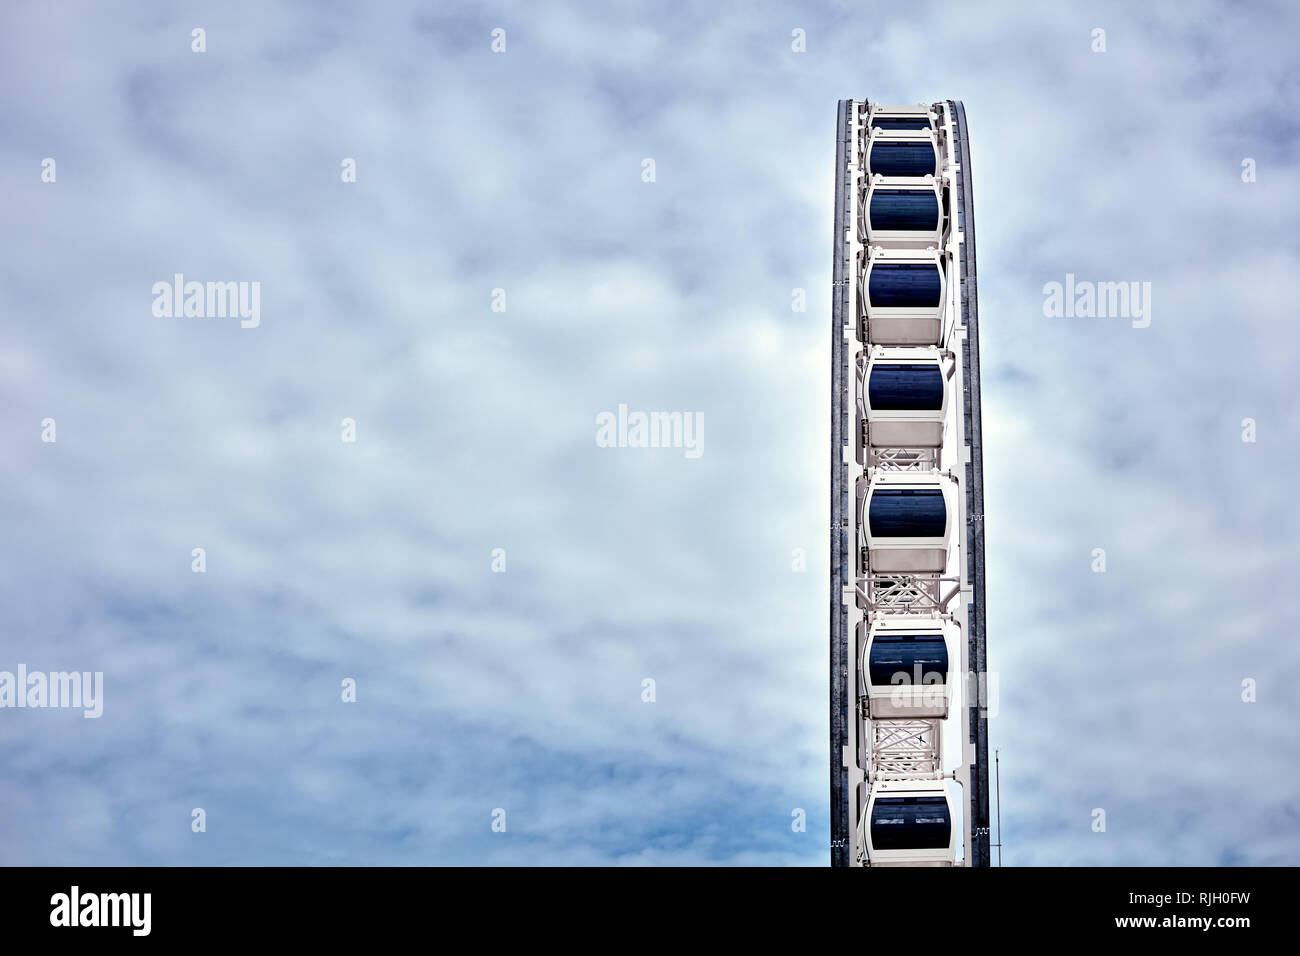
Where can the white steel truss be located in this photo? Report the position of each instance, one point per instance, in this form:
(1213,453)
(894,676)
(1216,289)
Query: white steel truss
(905,748)
(902,459)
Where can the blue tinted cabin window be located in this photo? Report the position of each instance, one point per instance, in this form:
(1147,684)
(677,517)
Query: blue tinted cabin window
(921,658)
(907,513)
(904,285)
(902,159)
(910,823)
(905,388)
(913,210)
(901,122)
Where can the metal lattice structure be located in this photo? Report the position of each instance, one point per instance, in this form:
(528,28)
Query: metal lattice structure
(907,499)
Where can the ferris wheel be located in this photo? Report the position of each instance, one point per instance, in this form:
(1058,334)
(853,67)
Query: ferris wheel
(909,731)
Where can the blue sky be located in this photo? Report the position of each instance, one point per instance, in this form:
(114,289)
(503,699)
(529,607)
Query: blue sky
(475,429)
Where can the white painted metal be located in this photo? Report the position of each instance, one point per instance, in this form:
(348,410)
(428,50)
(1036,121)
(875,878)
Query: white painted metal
(904,325)
(905,749)
(895,749)
(895,428)
(878,136)
(908,554)
(907,692)
(902,789)
(900,238)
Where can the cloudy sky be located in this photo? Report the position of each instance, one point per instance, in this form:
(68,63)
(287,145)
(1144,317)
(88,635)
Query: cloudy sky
(522,171)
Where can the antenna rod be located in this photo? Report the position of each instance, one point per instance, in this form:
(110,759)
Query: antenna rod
(997,775)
